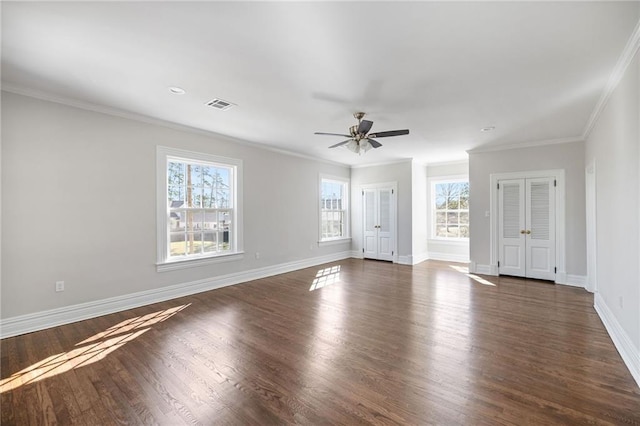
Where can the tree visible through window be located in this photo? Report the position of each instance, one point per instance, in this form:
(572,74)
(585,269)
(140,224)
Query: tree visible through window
(451,210)
(200,208)
(333,209)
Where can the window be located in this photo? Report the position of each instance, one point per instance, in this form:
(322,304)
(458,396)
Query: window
(450,209)
(334,209)
(198,212)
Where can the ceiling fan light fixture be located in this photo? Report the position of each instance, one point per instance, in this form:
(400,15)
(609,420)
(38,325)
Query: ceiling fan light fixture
(353,146)
(365,146)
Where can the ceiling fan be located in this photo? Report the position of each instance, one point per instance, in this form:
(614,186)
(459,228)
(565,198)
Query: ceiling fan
(360,140)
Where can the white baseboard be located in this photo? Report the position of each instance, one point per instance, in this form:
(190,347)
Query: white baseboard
(448,257)
(356,254)
(402,260)
(46,319)
(420,258)
(571,280)
(629,353)
(476,268)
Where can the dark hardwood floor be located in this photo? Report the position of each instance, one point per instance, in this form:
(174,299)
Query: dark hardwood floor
(344,343)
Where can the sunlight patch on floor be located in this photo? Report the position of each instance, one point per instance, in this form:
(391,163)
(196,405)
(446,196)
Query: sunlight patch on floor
(326,277)
(105,342)
(135,323)
(465,270)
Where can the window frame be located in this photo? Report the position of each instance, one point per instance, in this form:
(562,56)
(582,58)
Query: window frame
(432,187)
(346,183)
(164,261)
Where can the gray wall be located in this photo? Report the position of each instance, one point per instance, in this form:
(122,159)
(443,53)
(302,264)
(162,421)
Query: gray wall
(567,156)
(78,204)
(420,209)
(448,169)
(614,145)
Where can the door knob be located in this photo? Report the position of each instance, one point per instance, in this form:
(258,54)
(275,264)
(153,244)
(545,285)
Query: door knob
(528,232)
(522,231)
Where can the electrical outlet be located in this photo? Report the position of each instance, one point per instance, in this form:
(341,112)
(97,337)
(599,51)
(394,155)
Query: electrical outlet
(59,285)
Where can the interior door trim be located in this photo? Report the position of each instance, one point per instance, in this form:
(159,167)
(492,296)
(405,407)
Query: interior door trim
(559,176)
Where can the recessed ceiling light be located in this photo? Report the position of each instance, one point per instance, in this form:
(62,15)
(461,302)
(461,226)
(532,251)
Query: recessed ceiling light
(177,90)
(487,129)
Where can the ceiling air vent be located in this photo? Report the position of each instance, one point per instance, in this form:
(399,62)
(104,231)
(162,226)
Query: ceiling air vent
(220,104)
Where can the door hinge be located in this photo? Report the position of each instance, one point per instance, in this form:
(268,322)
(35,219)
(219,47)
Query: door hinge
(391,252)
(555,182)
(362,193)
(498,263)
(498,186)
(555,270)
(363,249)
(392,192)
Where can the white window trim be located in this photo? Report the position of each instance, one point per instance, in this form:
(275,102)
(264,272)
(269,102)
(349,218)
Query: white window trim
(334,241)
(163,155)
(433,181)
(347,237)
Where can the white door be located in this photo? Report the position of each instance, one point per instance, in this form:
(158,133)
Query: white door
(379,223)
(527,228)
(512,227)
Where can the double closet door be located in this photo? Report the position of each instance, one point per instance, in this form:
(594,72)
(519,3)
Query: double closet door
(527,231)
(379,223)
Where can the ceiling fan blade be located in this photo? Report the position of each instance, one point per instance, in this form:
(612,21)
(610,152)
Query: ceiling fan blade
(364,127)
(341,143)
(390,133)
(332,134)
(374,143)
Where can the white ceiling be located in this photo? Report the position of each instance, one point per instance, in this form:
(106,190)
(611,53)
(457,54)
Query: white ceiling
(534,70)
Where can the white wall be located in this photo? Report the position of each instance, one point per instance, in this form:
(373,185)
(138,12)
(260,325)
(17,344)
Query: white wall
(614,145)
(78,204)
(397,172)
(440,249)
(567,156)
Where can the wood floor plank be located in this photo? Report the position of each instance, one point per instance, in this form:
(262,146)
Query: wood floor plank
(350,342)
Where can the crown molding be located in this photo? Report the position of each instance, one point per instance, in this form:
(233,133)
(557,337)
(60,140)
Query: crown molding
(530,144)
(128,115)
(447,163)
(625,59)
(388,163)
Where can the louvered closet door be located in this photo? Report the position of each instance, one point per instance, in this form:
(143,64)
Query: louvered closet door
(540,225)
(511,198)
(527,228)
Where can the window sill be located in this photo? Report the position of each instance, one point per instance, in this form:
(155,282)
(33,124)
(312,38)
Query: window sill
(334,242)
(194,263)
(451,241)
